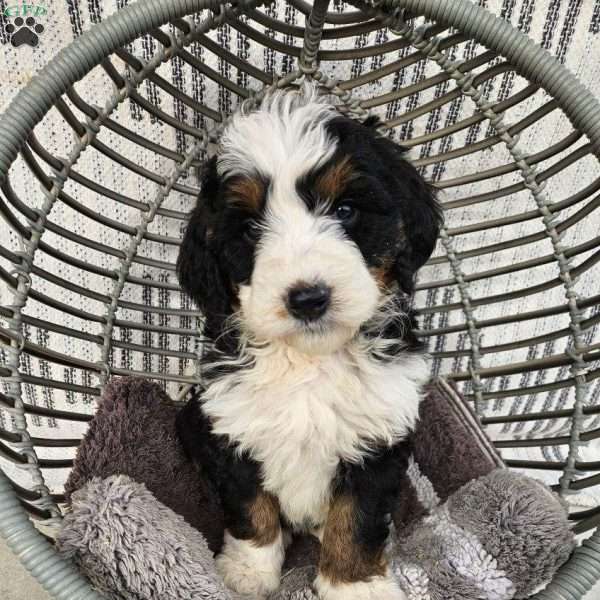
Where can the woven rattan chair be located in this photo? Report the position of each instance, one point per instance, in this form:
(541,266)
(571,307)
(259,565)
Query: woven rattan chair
(510,301)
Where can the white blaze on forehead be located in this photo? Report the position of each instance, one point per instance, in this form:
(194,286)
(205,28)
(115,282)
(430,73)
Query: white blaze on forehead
(285,137)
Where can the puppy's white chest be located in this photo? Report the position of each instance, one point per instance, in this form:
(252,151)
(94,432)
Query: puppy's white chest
(299,416)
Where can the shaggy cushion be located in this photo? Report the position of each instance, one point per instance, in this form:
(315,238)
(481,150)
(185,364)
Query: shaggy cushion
(482,531)
(133,433)
(498,537)
(131,546)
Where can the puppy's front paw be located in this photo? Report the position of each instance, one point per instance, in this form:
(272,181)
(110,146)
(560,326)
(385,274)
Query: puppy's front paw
(254,571)
(377,588)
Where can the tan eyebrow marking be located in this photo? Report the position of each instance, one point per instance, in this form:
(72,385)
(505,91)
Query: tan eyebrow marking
(334,180)
(247,191)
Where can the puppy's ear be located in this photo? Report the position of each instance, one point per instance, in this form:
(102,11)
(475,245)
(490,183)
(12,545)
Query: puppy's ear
(198,266)
(422,217)
(421,214)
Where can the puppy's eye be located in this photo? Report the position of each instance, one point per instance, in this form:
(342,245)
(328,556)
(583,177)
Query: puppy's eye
(346,214)
(251,231)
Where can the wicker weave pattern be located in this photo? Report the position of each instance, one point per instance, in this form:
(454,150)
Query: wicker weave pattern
(509,301)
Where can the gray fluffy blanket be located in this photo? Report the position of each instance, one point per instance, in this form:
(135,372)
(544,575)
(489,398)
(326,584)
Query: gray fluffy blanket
(497,537)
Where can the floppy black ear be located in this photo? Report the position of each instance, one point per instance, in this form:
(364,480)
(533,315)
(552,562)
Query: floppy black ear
(198,267)
(422,217)
(421,214)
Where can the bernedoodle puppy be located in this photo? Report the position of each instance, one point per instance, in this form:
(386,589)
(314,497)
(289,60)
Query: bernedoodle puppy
(302,253)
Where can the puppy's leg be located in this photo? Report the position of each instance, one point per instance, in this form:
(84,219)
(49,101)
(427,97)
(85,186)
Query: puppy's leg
(353,564)
(253,552)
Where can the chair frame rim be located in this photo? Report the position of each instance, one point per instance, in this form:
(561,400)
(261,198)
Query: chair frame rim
(57,575)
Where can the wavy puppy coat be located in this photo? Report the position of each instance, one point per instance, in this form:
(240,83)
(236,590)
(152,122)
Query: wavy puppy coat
(302,253)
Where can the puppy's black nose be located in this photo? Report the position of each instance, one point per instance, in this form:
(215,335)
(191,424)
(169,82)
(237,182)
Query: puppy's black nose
(308,302)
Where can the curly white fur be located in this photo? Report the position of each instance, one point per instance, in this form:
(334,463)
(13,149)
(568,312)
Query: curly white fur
(299,415)
(284,138)
(377,588)
(250,569)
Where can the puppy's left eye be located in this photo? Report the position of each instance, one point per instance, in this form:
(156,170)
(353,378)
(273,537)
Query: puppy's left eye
(346,214)
(251,231)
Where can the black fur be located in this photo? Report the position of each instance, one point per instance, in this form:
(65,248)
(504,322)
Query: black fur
(235,477)
(392,198)
(215,256)
(399,217)
(373,121)
(374,487)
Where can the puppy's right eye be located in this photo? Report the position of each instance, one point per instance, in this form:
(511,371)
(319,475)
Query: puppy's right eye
(251,231)
(346,214)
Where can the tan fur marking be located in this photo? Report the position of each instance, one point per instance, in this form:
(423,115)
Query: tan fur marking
(342,559)
(334,180)
(282,313)
(264,514)
(383,274)
(247,191)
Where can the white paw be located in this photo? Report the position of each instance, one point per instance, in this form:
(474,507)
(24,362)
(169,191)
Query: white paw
(377,588)
(248,569)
